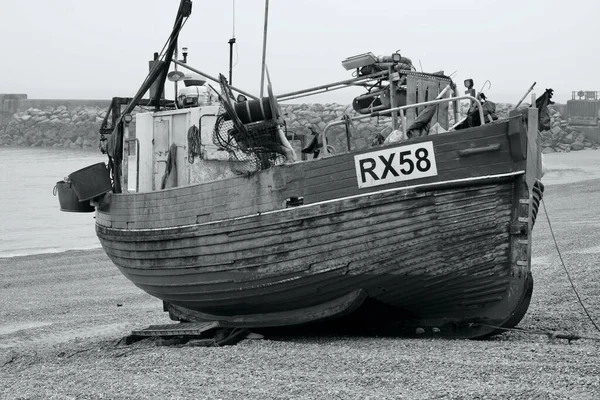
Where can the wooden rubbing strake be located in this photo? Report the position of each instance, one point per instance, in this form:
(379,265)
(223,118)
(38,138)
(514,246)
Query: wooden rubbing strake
(479,150)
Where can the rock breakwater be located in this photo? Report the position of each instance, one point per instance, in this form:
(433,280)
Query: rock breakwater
(78,127)
(564,138)
(53,127)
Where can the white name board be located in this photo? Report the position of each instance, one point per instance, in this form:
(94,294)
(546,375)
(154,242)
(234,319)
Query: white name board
(405,163)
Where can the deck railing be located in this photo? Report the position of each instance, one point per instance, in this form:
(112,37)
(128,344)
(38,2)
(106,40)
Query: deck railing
(402,110)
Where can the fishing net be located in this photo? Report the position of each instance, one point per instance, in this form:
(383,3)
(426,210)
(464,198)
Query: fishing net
(253,146)
(251,149)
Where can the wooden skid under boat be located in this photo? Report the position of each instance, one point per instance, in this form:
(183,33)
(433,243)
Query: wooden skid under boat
(444,251)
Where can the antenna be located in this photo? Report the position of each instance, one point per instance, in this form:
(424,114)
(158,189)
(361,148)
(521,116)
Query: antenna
(231,43)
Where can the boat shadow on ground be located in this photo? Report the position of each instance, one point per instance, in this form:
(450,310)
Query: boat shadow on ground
(372,320)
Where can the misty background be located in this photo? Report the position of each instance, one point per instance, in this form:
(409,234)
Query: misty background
(75,49)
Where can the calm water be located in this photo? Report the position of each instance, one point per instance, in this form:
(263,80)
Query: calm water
(30,218)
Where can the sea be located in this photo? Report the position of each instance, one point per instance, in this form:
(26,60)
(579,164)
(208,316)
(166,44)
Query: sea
(30,218)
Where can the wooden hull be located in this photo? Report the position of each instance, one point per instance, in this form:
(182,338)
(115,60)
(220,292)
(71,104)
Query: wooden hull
(443,252)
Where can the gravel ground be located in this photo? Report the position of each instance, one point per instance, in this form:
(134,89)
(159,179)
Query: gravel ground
(62,317)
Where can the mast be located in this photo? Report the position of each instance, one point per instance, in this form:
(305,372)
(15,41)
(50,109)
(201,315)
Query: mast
(264,53)
(157,75)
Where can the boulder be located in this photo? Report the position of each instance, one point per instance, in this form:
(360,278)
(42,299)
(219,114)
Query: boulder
(361,143)
(576,146)
(50,133)
(67,131)
(568,139)
(317,108)
(547,143)
(546,134)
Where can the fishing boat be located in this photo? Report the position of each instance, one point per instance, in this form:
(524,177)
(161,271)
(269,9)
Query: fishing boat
(213,208)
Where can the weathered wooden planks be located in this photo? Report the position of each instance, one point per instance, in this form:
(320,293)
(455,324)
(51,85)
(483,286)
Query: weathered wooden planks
(414,235)
(315,181)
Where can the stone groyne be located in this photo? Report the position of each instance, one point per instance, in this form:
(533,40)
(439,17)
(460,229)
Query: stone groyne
(75,124)
(562,137)
(59,126)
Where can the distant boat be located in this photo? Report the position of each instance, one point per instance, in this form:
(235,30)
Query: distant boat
(431,234)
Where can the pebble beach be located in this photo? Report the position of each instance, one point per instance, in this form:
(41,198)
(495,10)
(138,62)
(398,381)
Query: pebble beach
(63,318)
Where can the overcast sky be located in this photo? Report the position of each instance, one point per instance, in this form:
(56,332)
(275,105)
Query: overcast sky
(83,49)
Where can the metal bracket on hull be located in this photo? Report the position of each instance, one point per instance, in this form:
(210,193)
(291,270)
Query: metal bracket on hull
(334,308)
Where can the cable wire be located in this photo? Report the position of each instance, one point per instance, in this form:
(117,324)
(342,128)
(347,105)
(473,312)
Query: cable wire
(550,334)
(566,270)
